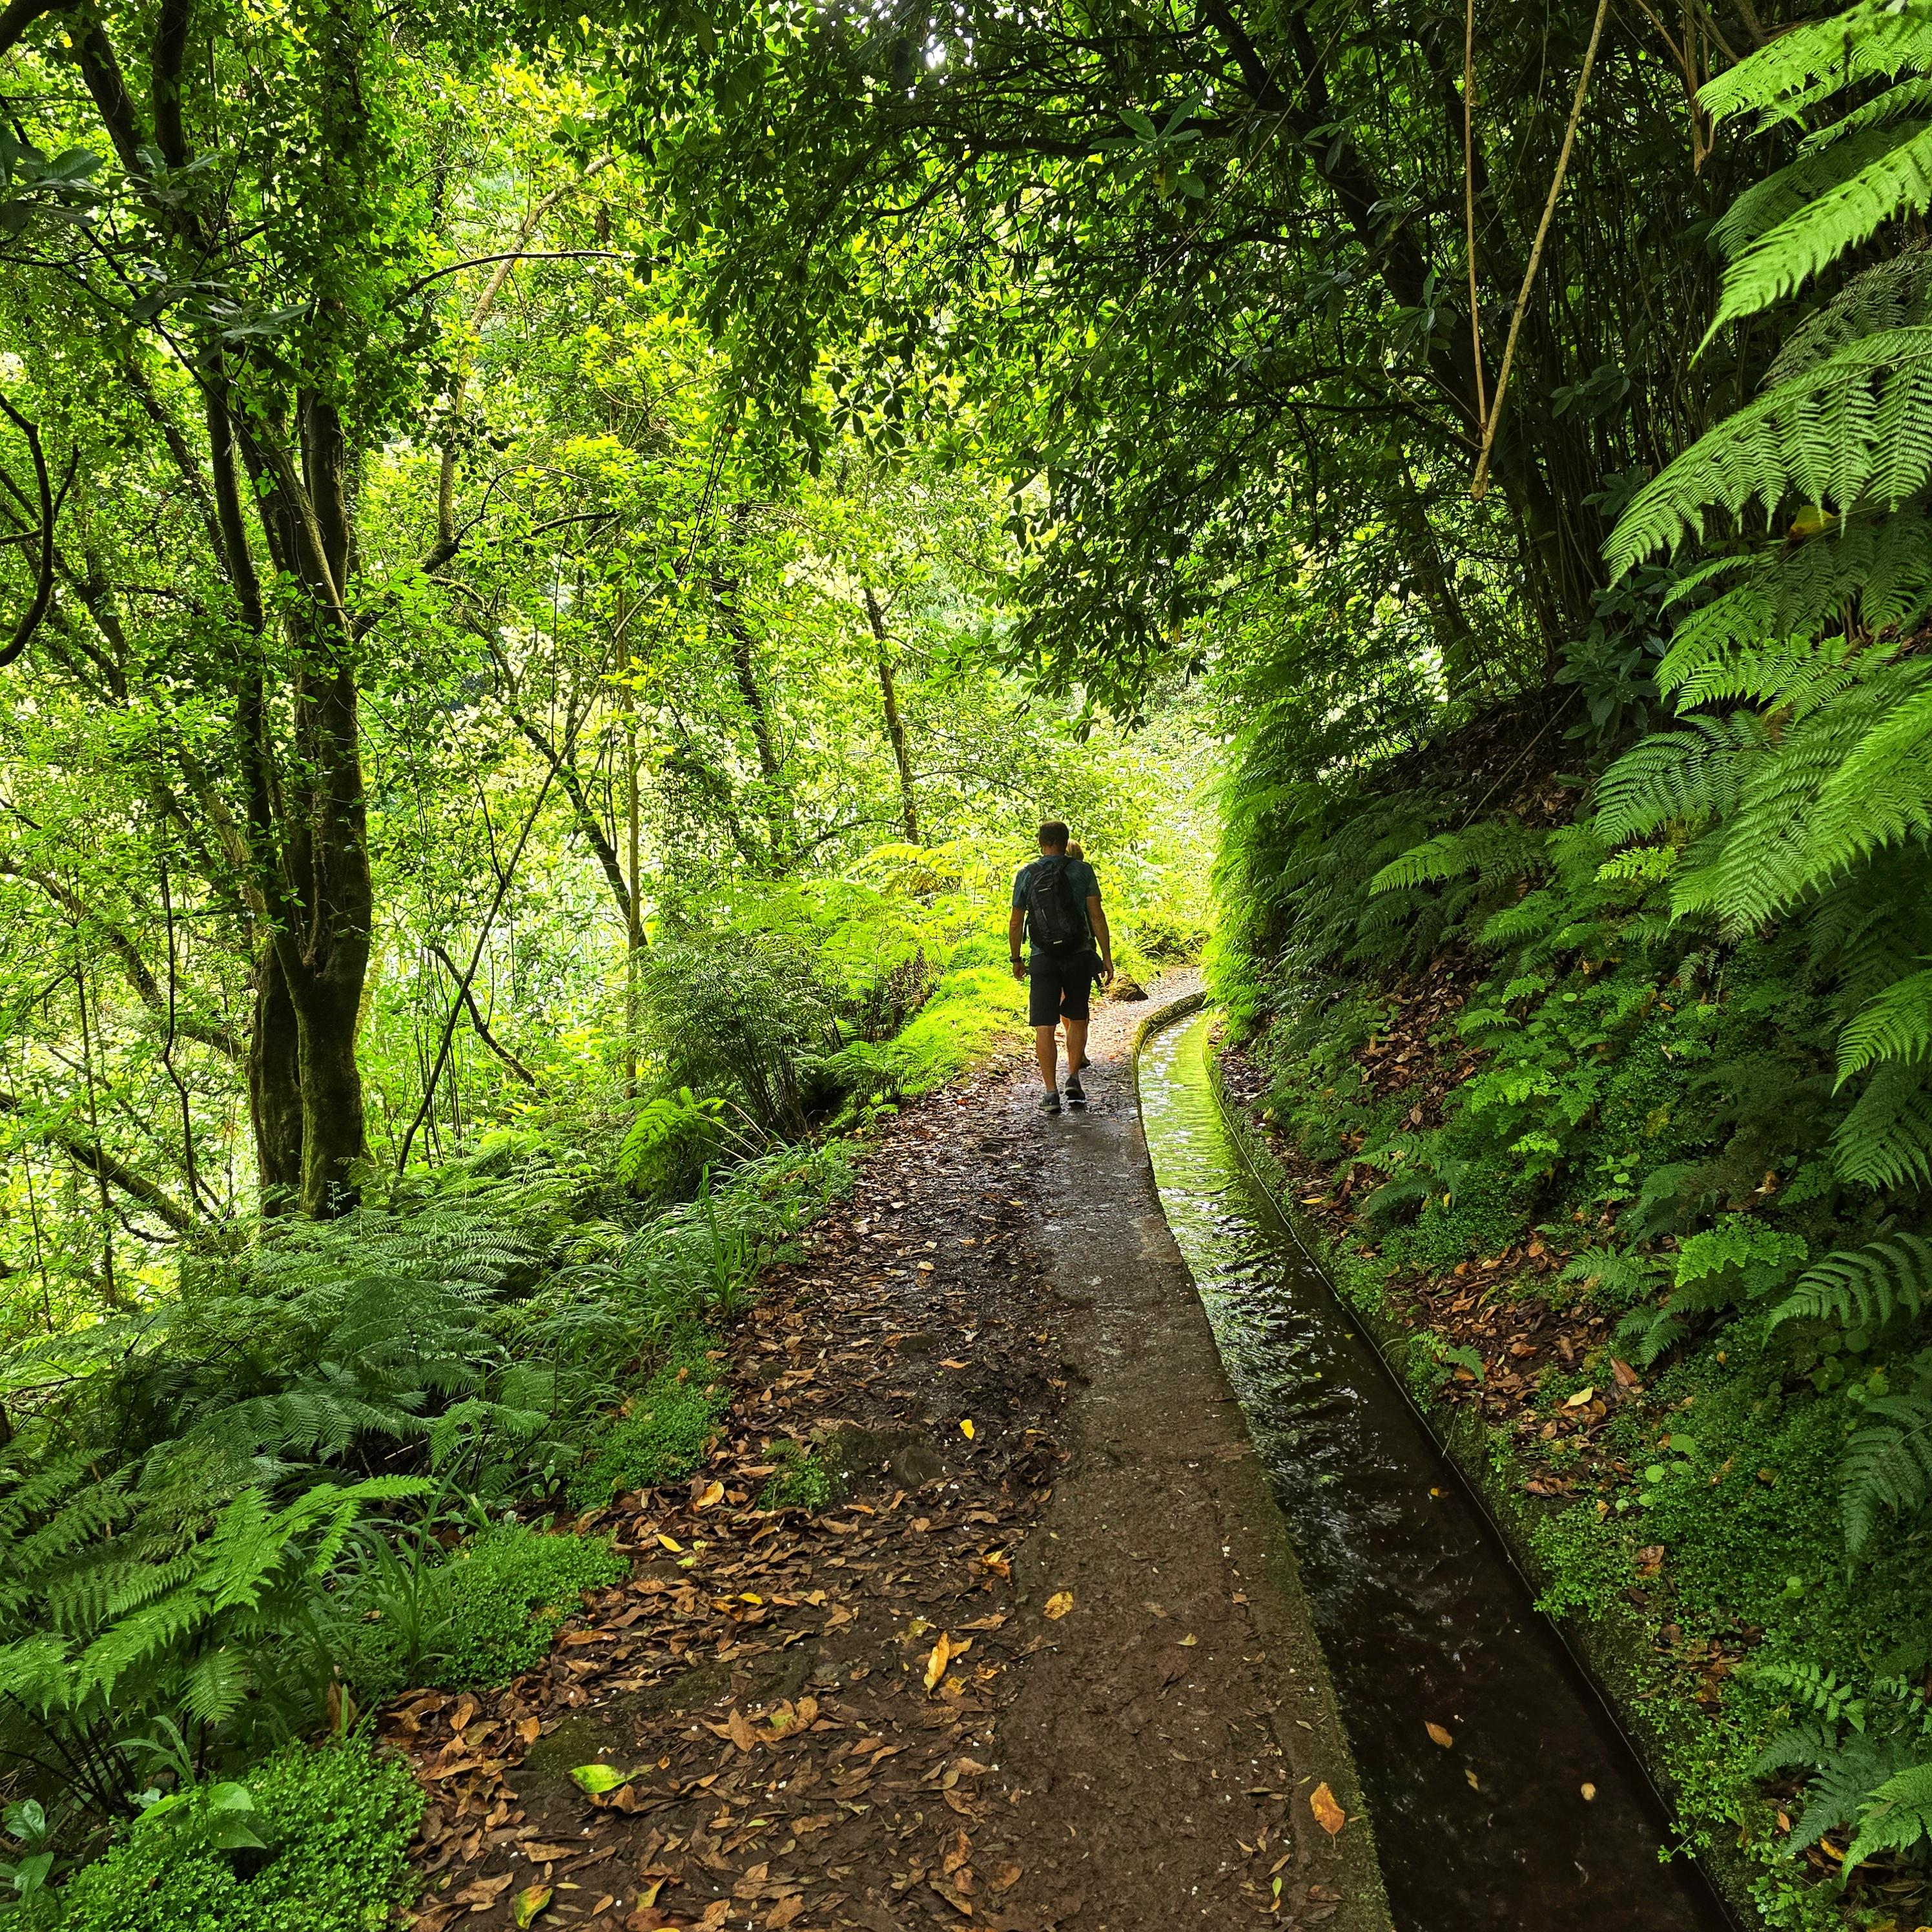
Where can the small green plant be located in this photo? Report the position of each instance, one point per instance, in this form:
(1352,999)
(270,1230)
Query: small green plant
(801,1481)
(489,1612)
(327,1833)
(1867,1761)
(665,1435)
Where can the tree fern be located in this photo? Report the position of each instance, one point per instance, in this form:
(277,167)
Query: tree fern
(1692,773)
(1863,1287)
(1822,165)
(1859,423)
(1895,179)
(1896,1025)
(1894,294)
(1812,61)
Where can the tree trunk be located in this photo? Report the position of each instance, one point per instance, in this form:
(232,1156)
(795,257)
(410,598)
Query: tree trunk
(334,1145)
(895,724)
(274,1088)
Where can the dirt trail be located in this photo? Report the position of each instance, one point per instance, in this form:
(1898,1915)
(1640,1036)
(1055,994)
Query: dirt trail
(997,1342)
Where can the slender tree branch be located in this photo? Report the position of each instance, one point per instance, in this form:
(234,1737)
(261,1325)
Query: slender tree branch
(476,1020)
(84,1152)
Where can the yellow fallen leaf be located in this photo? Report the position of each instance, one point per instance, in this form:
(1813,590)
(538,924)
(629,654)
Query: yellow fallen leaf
(1059,1604)
(648,1897)
(1328,1814)
(671,1543)
(528,1903)
(714,1493)
(1188,1641)
(1581,1399)
(1472,1777)
(1589,1793)
(935,1664)
(1437,1734)
(966,1429)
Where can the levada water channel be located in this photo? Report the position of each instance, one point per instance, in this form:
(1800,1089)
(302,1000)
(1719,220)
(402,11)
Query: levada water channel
(1422,1615)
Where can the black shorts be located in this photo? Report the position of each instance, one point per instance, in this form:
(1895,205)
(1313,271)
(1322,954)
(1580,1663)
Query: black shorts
(1059,985)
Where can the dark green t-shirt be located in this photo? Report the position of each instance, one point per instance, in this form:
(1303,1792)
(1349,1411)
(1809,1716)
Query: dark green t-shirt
(1079,877)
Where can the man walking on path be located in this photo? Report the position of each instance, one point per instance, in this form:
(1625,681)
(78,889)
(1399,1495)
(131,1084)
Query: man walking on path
(1057,904)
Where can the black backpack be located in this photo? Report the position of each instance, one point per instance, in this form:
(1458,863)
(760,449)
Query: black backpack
(1054,917)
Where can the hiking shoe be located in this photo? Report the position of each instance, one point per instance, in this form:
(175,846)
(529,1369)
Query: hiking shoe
(1050,1101)
(1076,1094)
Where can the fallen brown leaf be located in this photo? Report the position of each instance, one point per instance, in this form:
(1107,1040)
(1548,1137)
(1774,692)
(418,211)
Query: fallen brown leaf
(1437,1734)
(1328,1814)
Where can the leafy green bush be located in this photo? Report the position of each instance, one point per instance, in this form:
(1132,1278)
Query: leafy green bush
(487,1612)
(337,1822)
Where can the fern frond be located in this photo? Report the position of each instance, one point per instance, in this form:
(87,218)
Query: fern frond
(1862,1288)
(1895,294)
(1693,773)
(1896,1817)
(1897,1024)
(1492,850)
(1885,1141)
(1895,180)
(1874,39)
(1887,1466)
(1765,205)
(1815,437)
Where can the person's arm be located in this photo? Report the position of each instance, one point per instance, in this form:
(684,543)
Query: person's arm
(1015,927)
(1097,919)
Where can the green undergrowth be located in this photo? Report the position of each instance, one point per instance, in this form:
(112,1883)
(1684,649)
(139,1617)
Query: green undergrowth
(475,1617)
(664,1430)
(1655,1103)
(334,1822)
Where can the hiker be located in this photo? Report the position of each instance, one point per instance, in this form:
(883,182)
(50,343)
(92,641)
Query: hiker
(1057,905)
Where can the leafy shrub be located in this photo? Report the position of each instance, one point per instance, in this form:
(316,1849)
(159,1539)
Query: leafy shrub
(508,1592)
(739,1020)
(336,1821)
(479,1617)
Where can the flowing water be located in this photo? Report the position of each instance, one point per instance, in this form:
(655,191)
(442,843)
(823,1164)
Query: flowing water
(1422,1616)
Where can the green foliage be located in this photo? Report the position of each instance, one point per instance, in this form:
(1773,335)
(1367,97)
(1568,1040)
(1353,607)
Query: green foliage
(801,1481)
(1868,1759)
(1888,1464)
(336,1822)
(507,1591)
(1863,1287)
(663,1434)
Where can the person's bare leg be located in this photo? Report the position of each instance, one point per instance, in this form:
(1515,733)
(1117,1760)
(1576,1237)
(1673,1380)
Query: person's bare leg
(1076,1045)
(1045,1050)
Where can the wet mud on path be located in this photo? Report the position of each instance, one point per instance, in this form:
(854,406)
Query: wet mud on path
(1045,1664)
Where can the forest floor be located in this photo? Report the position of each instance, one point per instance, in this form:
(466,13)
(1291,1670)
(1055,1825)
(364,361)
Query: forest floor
(1046,1664)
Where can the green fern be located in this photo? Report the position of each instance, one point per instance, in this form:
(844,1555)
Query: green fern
(1863,1287)
(1885,1141)
(1895,1024)
(1896,1817)
(1816,60)
(1894,294)
(1892,177)
(1888,1465)
(1694,773)
(1492,850)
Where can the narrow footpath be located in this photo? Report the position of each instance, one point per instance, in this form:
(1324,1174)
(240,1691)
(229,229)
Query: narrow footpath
(1044,1664)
